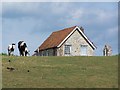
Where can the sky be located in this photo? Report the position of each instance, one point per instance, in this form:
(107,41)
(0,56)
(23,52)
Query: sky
(33,22)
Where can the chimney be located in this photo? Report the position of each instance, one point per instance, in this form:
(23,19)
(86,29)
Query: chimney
(81,28)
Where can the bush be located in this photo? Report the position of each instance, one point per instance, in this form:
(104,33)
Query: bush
(4,54)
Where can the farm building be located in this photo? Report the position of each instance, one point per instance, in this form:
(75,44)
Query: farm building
(67,42)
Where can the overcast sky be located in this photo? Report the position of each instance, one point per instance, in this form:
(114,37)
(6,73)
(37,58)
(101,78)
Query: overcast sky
(33,22)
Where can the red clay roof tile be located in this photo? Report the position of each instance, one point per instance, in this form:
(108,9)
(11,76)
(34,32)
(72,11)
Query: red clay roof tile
(56,38)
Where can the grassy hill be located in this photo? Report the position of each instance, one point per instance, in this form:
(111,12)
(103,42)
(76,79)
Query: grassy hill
(60,72)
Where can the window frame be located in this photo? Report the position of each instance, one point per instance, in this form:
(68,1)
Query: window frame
(68,52)
(83,45)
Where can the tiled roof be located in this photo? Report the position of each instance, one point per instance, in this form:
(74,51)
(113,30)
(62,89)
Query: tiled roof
(56,38)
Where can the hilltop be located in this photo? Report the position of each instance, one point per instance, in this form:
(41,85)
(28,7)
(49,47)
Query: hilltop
(56,72)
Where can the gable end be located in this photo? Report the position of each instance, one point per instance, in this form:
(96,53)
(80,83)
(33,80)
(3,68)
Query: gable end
(83,35)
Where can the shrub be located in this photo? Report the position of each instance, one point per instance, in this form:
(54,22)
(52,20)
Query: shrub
(4,54)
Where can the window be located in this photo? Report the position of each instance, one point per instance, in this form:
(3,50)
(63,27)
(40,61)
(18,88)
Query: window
(83,50)
(67,49)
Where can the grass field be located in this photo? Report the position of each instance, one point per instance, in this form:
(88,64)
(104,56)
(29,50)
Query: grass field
(60,72)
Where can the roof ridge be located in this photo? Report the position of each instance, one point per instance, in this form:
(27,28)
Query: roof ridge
(65,29)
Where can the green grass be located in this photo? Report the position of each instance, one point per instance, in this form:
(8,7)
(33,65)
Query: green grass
(60,72)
